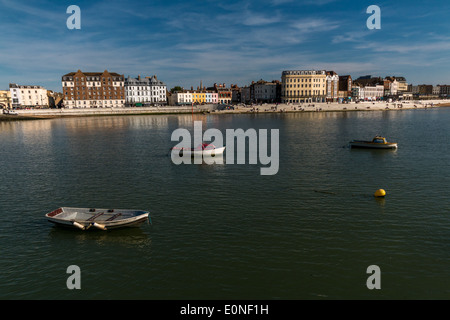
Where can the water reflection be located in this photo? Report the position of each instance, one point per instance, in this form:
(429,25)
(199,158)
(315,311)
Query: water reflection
(114,122)
(129,237)
(374,152)
(380,201)
(27,131)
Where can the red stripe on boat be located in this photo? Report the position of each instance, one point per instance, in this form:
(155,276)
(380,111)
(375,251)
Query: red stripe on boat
(55,212)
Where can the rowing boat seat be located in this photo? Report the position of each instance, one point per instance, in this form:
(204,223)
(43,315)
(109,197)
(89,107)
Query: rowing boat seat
(95,216)
(114,217)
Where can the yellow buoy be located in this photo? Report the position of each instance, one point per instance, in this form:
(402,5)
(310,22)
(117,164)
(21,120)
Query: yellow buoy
(380,193)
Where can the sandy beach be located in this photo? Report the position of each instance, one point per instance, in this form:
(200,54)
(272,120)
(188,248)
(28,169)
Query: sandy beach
(329,107)
(33,114)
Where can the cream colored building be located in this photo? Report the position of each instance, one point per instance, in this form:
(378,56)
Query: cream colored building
(28,96)
(180,98)
(303,86)
(5,99)
(402,85)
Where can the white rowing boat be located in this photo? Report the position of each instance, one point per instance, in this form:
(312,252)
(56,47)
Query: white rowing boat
(104,219)
(204,149)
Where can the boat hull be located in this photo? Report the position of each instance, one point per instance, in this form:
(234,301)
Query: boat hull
(207,153)
(373,145)
(104,219)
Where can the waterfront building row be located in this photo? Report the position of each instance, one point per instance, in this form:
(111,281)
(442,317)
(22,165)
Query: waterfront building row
(91,90)
(430,90)
(184,98)
(327,86)
(217,94)
(110,89)
(370,88)
(300,86)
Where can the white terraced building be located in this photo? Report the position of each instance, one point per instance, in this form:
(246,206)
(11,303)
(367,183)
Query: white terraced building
(368,93)
(28,96)
(145,91)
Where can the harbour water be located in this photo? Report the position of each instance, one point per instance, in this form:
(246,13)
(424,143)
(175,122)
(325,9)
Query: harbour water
(225,231)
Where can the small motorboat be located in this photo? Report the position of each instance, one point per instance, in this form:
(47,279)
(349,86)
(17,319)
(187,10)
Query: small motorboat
(104,219)
(204,149)
(376,143)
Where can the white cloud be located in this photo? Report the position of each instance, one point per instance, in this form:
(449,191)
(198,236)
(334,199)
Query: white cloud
(423,46)
(259,20)
(354,36)
(315,25)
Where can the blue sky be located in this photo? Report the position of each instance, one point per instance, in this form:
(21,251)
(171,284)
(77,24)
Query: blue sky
(232,42)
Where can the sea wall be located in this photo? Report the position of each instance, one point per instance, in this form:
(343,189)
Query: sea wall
(110,111)
(214,109)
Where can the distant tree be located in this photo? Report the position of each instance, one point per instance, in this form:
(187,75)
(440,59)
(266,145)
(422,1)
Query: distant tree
(176,89)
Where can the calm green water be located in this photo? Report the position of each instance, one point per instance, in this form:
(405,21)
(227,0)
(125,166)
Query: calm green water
(225,231)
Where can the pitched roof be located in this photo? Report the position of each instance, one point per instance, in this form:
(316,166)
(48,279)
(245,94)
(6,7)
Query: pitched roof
(368,82)
(93,74)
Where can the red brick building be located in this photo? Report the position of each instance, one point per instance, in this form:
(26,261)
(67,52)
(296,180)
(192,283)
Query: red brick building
(93,89)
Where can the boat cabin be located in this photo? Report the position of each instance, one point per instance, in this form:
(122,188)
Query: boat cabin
(379,140)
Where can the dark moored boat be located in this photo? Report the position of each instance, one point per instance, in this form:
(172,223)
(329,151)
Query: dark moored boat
(376,143)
